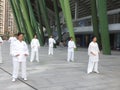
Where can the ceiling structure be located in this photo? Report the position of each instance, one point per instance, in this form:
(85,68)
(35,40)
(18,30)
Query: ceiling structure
(83,8)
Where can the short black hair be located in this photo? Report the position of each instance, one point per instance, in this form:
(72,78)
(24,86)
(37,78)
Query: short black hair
(93,37)
(20,33)
(70,38)
(34,35)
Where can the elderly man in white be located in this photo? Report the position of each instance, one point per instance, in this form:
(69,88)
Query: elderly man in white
(1,41)
(19,52)
(93,52)
(51,44)
(71,47)
(34,49)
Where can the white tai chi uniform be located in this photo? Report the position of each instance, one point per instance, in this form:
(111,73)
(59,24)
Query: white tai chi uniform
(1,41)
(71,46)
(11,40)
(19,48)
(93,59)
(51,44)
(34,49)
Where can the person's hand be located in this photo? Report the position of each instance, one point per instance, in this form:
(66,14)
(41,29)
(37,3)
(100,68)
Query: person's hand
(26,54)
(17,55)
(99,52)
(0,42)
(93,53)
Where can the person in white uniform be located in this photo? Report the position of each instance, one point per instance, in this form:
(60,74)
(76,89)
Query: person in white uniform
(71,47)
(35,49)
(51,44)
(12,39)
(93,52)
(1,42)
(19,52)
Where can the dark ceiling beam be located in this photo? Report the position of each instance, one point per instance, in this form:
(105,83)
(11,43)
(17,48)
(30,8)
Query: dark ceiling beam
(83,8)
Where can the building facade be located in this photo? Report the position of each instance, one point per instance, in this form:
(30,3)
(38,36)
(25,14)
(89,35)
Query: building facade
(7,22)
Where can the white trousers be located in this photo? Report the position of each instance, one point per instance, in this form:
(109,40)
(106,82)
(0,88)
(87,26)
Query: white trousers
(34,53)
(70,56)
(92,66)
(0,55)
(50,51)
(16,66)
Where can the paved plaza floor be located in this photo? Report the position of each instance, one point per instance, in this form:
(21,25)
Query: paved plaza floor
(55,73)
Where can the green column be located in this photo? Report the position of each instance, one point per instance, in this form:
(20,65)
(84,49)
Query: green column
(95,21)
(57,19)
(17,15)
(34,22)
(26,18)
(40,20)
(63,7)
(67,14)
(103,24)
(14,13)
(45,16)
(21,21)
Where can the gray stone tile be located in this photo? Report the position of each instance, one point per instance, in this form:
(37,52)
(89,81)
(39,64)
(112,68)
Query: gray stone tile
(55,73)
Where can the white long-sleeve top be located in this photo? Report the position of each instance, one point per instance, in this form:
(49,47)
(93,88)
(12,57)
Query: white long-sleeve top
(71,45)
(1,41)
(35,44)
(93,48)
(19,48)
(51,42)
(12,39)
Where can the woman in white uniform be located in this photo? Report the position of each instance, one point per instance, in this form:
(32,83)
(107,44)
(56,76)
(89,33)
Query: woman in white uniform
(51,44)
(71,47)
(1,41)
(93,52)
(34,49)
(19,52)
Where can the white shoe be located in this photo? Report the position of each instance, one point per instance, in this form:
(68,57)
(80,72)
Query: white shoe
(37,60)
(68,60)
(25,79)
(88,72)
(13,80)
(96,71)
(1,62)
